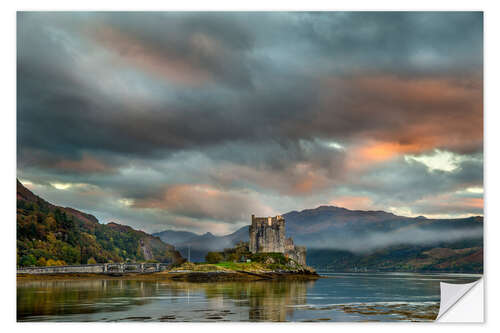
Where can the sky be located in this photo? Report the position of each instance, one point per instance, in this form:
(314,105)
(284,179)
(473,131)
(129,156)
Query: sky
(194,121)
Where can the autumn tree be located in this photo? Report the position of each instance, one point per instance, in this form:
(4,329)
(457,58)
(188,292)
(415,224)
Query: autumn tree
(91,261)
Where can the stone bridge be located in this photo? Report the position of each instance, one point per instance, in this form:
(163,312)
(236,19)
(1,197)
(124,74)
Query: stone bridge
(97,268)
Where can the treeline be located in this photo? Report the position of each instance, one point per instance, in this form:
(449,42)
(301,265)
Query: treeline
(47,235)
(238,253)
(460,257)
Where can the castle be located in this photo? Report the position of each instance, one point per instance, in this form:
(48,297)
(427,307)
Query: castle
(267,234)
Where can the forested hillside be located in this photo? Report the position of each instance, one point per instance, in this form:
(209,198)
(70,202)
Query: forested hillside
(53,235)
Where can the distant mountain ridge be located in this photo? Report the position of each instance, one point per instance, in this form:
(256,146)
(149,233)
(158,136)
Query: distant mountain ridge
(197,246)
(47,233)
(365,240)
(334,227)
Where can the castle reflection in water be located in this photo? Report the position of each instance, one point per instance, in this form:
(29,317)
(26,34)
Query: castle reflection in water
(96,300)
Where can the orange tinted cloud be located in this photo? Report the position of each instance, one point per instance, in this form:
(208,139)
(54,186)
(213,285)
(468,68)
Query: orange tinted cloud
(294,179)
(389,115)
(415,90)
(152,60)
(204,201)
(383,151)
(474,202)
(353,202)
(87,164)
(367,154)
(305,185)
(449,203)
(304,178)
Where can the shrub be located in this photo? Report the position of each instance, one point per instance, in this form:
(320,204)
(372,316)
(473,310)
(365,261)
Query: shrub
(274,257)
(91,261)
(51,262)
(214,257)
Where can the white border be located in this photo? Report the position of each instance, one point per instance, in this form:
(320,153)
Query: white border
(8,127)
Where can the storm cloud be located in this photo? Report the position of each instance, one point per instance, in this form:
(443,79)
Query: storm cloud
(196,120)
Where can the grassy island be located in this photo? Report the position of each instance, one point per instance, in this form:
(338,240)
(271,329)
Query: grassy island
(239,263)
(259,266)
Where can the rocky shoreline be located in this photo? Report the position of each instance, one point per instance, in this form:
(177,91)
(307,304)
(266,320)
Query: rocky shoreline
(185,276)
(220,276)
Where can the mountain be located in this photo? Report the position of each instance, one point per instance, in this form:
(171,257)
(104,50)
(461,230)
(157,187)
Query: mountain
(50,234)
(196,246)
(175,237)
(364,231)
(342,239)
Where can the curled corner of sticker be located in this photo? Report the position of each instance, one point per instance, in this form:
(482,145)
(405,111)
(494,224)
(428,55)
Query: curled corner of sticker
(451,294)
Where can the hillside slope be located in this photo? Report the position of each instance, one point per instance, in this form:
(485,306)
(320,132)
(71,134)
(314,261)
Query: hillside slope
(49,234)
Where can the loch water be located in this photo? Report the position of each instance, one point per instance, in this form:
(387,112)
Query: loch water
(337,297)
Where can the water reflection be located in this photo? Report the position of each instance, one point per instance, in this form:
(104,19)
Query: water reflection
(38,298)
(362,296)
(118,299)
(265,300)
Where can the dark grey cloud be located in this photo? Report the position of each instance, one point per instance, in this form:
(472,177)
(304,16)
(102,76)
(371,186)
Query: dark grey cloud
(407,42)
(52,91)
(289,106)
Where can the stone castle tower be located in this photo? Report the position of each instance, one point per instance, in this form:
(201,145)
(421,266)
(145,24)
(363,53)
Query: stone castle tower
(267,234)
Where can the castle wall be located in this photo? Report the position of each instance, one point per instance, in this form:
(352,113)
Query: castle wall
(267,234)
(298,253)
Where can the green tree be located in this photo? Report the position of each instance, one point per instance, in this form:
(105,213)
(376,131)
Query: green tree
(214,257)
(28,260)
